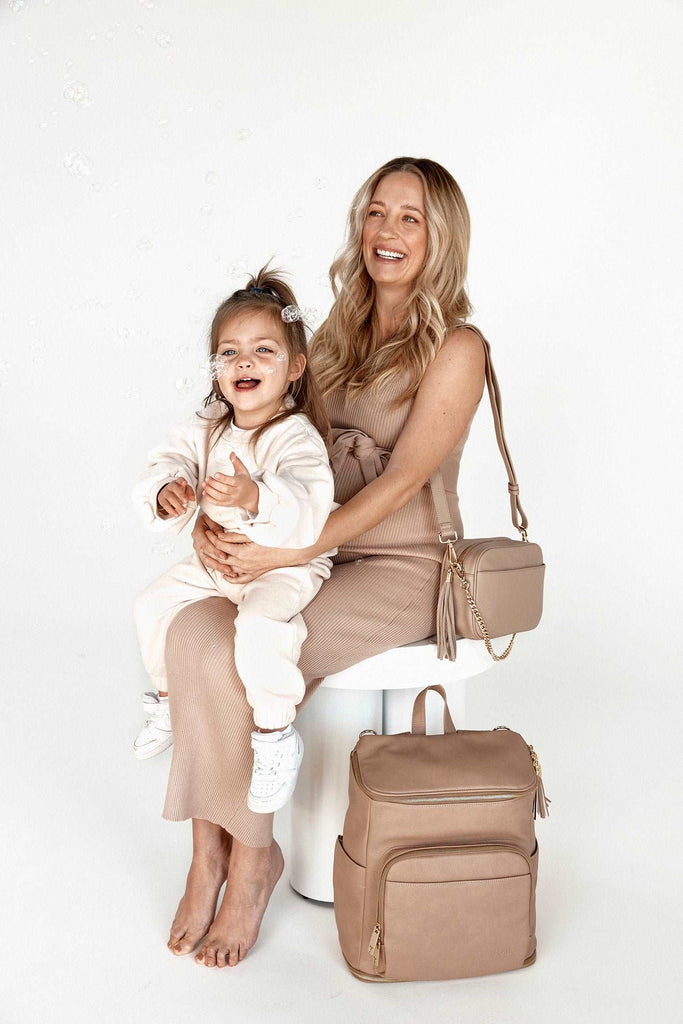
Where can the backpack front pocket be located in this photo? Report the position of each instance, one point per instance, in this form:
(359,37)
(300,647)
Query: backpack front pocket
(452,912)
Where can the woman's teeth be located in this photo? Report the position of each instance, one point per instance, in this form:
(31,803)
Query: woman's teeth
(390,254)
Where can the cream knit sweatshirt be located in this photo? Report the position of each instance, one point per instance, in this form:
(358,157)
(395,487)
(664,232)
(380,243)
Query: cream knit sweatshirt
(290,466)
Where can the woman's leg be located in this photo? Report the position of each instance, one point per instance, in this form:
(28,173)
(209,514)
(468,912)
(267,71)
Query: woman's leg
(209,868)
(364,608)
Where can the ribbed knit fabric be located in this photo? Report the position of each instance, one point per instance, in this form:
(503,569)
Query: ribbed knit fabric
(383,600)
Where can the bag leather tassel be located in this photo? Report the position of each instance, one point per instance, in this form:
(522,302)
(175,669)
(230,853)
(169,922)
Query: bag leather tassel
(446,646)
(541,801)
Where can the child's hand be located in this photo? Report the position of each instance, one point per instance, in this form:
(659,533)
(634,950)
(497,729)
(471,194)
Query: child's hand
(238,491)
(173,499)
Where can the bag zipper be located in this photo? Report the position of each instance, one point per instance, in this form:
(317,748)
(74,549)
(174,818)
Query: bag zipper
(450,797)
(375,947)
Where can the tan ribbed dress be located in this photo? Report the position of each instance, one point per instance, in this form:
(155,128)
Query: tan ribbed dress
(382,593)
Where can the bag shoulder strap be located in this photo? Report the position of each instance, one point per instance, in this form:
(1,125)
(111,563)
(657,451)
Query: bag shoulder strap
(443,514)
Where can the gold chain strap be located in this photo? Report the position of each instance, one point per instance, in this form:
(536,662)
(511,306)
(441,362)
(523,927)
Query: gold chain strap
(454,565)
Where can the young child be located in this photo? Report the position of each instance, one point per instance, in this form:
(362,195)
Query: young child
(257,463)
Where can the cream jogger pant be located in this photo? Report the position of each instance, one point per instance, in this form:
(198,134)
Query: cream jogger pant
(269,630)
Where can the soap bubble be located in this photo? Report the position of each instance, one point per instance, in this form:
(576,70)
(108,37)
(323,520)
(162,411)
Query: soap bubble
(163,39)
(281,356)
(321,183)
(107,525)
(238,268)
(77,164)
(215,366)
(164,548)
(211,178)
(17,5)
(296,213)
(290,314)
(184,384)
(243,133)
(78,93)
(149,4)
(132,393)
(144,244)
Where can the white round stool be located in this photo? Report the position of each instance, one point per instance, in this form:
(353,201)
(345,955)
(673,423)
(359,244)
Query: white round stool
(384,688)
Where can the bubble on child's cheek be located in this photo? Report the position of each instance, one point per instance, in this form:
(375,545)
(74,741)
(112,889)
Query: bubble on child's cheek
(216,366)
(270,371)
(281,356)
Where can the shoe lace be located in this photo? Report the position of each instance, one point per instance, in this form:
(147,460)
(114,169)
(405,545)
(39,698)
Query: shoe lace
(267,764)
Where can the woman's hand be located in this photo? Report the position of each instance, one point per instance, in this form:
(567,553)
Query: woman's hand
(239,559)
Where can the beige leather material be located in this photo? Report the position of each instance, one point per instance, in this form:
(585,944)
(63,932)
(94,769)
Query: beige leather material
(505,576)
(435,874)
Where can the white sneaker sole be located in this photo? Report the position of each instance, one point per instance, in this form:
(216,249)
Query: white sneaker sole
(266,806)
(150,749)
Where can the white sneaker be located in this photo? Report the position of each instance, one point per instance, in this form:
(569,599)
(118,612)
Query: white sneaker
(277,756)
(156,734)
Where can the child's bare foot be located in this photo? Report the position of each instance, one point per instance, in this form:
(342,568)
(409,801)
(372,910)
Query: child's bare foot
(208,871)
(254,872)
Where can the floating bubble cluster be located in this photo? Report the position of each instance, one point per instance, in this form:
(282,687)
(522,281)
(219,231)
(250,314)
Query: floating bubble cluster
(309,314)
(77,165)
(215,366)
(78,93)
(17,5)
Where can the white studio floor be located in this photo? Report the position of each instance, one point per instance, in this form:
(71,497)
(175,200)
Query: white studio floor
(92,875)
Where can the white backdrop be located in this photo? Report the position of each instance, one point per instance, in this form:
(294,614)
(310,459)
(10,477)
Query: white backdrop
(153,150)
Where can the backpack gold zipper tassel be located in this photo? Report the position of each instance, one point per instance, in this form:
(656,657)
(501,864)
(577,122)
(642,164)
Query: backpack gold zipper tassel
(541,801)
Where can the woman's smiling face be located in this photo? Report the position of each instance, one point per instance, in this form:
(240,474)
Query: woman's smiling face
(254,367)
(395,230)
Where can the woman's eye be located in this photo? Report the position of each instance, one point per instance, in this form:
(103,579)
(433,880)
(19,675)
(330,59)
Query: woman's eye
(412,219)
(375,213)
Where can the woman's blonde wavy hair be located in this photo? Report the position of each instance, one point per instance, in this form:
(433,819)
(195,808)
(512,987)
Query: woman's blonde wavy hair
(348,350)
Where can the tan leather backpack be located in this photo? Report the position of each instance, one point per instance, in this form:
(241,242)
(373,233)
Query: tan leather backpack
(435,874)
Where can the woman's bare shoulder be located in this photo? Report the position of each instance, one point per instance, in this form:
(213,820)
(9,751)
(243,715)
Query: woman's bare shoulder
(460,356)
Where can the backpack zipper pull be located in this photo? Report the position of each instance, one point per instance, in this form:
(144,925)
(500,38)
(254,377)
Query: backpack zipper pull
(374,947)
(541,801)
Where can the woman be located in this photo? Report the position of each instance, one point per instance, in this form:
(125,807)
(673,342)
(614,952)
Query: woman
(394,364)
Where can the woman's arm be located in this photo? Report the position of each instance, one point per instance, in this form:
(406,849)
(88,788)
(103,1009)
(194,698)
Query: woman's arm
(450,389)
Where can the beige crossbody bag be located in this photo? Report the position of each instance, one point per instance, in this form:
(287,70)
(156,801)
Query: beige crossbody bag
(490,586)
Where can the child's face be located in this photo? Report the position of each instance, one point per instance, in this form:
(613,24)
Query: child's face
(255,368)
